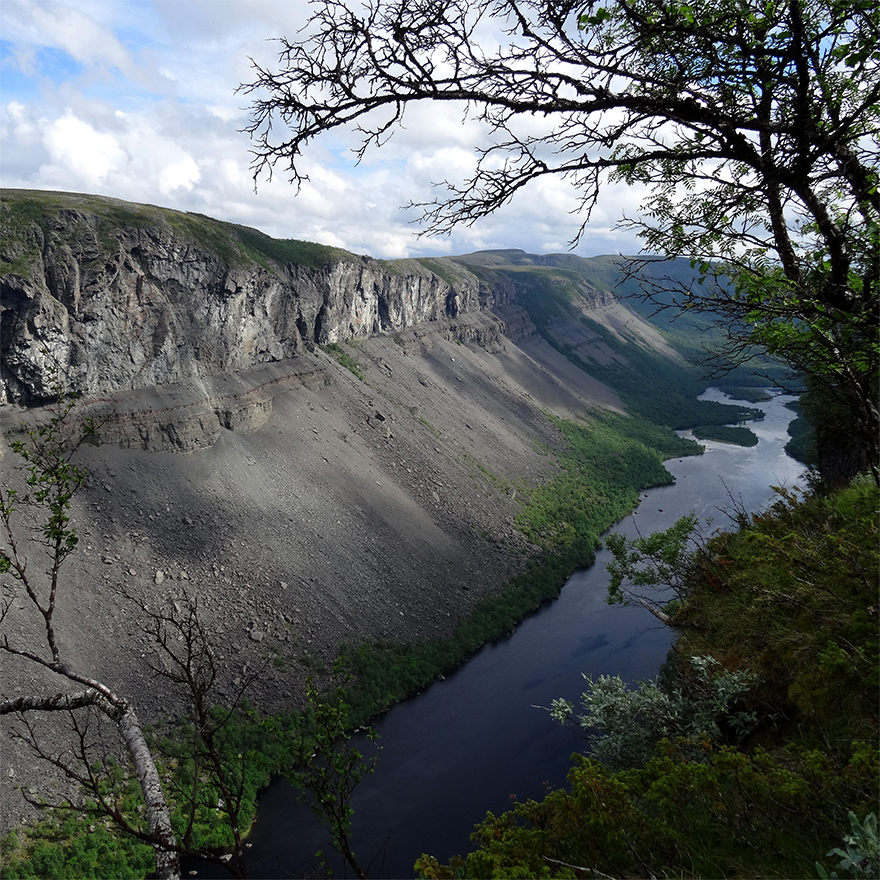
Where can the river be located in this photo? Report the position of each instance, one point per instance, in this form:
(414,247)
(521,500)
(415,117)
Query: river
(474,741)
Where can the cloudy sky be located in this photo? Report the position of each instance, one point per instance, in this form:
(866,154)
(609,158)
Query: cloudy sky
(136,99)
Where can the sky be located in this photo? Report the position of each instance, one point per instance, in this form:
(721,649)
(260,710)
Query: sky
(137,99)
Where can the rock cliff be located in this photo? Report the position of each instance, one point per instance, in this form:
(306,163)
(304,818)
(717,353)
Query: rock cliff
(121,296)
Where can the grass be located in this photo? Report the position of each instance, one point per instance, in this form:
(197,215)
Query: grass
(441,270)
(337,352)
(235,245)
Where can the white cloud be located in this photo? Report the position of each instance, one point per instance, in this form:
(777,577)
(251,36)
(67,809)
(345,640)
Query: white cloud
(89,154)
(144,108)
(184,173)
(22,127)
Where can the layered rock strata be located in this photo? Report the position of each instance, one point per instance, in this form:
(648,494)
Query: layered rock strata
(119,299)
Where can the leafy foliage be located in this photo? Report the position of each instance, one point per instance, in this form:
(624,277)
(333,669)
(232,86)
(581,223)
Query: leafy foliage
(793,597)
(70,849)
(603,466)
(660,559)
(215,766)
(732,814)
(327,767)
(769,750)
(861,858)
(626,724)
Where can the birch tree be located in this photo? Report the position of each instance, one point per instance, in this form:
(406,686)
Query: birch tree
(52,480)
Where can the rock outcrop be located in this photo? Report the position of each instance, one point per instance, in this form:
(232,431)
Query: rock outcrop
(120,296)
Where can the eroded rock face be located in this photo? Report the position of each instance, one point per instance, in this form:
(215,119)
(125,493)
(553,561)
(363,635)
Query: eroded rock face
(128,305)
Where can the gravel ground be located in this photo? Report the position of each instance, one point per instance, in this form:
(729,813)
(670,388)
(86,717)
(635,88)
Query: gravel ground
(376,508)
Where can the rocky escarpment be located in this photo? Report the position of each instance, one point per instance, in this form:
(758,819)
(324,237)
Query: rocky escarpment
(119,296)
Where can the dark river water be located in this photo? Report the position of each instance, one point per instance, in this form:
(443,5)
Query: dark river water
(472,742)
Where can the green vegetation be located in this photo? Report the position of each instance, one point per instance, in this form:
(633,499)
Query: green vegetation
(343,357)
(753,764)
(442,269)
(235,245)
(84,843)
(253,750)
(603,466)
(659,389)
(735,434)
(793,597)
(325,765)
(627,725)
(733,814)
(68,848)
(861,858)
(802,445)
(20,249)
(653,386)
(256,244)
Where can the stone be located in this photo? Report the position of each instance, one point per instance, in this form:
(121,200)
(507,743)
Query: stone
(164,309)
(159,578)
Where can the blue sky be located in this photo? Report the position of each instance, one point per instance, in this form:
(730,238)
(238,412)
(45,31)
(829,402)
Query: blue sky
(136,99)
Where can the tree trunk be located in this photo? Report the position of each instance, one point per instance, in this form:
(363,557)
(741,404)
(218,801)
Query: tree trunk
(163,840)
(662,616)
(167,859)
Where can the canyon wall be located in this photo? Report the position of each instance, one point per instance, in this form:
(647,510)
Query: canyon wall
(121,297)
(320,505)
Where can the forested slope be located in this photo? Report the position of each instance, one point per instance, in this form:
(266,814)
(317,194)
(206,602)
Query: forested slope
(715,774)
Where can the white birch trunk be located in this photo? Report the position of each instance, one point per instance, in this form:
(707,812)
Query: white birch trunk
(167,860)
(121,711)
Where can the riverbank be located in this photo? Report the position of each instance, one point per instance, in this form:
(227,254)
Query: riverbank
(468,742)
(370,510)
(602,467)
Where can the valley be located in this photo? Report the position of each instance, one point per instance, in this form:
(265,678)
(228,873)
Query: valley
(305,504)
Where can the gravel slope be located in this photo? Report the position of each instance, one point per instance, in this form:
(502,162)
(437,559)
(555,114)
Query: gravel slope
(368,509)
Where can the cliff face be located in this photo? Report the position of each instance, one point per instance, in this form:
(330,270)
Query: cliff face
(127,299)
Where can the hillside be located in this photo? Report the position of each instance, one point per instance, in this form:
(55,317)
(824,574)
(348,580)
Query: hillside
(324,448)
